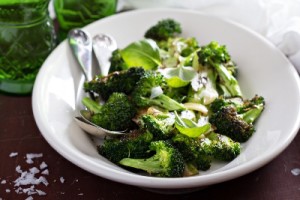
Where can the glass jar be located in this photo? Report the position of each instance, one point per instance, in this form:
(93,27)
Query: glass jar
(78,13)
(27,37)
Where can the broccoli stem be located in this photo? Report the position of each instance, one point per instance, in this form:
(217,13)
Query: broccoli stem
(251,115)
(150,165)
(91,105)
(166,102)
(230,82)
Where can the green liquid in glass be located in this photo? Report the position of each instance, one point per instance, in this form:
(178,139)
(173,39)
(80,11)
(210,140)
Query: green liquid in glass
(26,38)
(78,13)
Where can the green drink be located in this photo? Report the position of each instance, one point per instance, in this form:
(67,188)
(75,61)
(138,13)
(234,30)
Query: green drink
(26,38)
(78,13)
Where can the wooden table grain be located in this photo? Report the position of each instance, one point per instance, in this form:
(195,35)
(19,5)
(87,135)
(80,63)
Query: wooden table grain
(19,136)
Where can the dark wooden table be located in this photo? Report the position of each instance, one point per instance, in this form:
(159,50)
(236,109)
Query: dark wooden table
(20,136)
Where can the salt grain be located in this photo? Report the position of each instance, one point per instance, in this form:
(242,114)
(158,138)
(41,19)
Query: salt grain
(45,172)
(13,154)
(7,190)
(80,194)
(3,182)
(29,198)
(41,193)
(295,171)
(31,156)
(43,165)
(62,180)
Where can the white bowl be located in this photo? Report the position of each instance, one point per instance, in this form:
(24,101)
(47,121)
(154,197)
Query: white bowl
(264,70)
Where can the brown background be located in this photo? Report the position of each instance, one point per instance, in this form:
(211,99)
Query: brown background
(19,133)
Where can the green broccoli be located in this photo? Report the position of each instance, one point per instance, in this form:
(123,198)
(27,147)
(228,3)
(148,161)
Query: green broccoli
(131,145)
(141,95)
(216,56)
(161,126)
(115,114)
(120,81)
(166,162)
(163,30)
(196,151)
(236,122)
(117,63)
(224,148)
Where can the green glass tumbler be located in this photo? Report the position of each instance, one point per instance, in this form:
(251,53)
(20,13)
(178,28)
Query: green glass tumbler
(27,37)
(78,13)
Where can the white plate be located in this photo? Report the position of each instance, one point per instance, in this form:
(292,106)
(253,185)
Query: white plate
(263,70)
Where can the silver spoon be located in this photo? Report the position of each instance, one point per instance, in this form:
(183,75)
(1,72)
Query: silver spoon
(103,46)
(81,45)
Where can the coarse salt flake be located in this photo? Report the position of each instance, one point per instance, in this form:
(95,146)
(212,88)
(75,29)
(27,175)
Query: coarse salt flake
(62,180)
(45,172)
(295,171)
(31,156)
(13,154)
(29,198)
(43,165)
(7,190)
(3,182)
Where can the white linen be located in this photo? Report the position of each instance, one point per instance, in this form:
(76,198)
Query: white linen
(277,20)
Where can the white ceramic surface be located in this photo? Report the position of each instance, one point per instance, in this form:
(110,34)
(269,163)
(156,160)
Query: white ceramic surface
(263,70)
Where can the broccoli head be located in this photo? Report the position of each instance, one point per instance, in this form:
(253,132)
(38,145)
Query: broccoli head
(117,63)
(196,152)
(224,148)
(163,30)
(161,126)
(141,95)
(235,118)
(166,162)
(115,114)
(119,81)
(131,145)
(216,57)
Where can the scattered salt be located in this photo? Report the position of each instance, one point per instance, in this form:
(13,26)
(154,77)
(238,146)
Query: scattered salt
(18,169)
(41,193)
(13,154)
(3,182)
(29,198)
(31,156)
(295,171)
(43,165)
(7,190)
(80,194)
(45,172)
(62,180)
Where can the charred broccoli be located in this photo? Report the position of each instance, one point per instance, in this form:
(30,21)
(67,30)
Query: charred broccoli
(141,95)
(115,114)
(166,162)
(163,30)
(237,121)
(161,126)
(131,145)
(119,81)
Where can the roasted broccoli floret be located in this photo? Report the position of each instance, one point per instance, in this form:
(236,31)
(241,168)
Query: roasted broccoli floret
(224,148)
(161,126)
(216,56)
(166,162)
(141,95)
(163,30)
(195,151)
(236,122)
(119,81)
(115,114)
(131,145)
(116,62)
